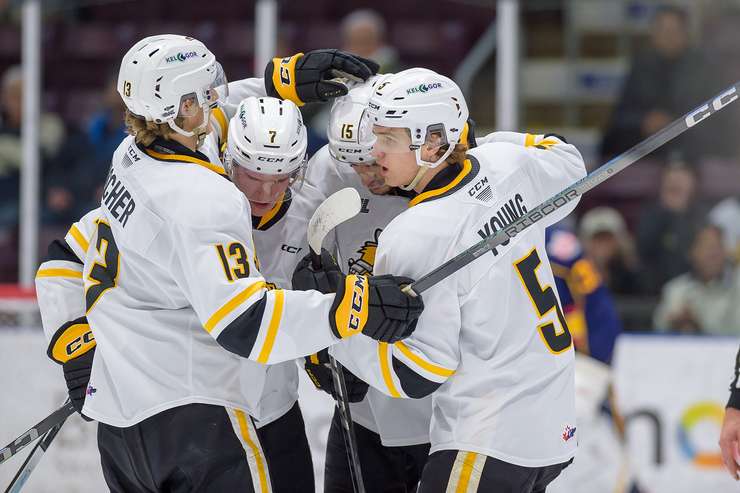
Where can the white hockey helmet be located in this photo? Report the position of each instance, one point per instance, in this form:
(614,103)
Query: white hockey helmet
(160,73)
(267,136)
(423,102)
(345,145)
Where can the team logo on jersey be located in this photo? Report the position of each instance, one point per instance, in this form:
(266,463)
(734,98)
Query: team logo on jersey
(365,262)
(569,433)
(90,390)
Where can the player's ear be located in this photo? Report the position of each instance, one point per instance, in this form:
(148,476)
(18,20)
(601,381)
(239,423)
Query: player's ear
(432,149)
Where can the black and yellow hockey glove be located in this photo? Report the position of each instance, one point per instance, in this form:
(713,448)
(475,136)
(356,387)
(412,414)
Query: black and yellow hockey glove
(326,279)
(306,78)
(375,306)
(318,370)
(73,347)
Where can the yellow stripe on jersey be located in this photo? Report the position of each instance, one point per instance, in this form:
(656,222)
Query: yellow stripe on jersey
(426,365)
(244,429)
(74,274)
(189,159)
(272,330)
(220,117)
(467,167)
(232,304)
(528,140)
(79,238)
(385,369)
(271,213)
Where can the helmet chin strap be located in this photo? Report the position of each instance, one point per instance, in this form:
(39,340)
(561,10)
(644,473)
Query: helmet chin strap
(419,175)
(198,132)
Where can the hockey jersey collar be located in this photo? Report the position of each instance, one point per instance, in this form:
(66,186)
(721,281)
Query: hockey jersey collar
(448,181)
(275,214)
(169,150)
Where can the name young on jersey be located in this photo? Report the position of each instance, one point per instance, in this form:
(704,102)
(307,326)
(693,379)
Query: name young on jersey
(512,210)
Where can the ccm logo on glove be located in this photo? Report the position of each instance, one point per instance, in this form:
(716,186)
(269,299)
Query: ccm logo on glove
(351,314)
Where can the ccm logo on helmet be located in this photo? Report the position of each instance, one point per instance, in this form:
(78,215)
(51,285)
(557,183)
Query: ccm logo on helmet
(717,104)
(358,292)
(271,159)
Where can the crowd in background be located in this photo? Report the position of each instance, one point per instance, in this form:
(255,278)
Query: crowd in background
(680,253)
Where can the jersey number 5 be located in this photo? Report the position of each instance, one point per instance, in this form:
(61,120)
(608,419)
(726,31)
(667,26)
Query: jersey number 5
(556,336)
(104,272)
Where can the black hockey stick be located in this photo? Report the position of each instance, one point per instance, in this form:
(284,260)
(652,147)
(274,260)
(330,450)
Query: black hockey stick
(41,428)
(20,478)
(580,187)
(337,208)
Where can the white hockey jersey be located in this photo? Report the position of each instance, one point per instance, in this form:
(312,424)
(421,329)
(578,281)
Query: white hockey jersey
(492,344)
(398,422)
(280,240)
(171,280)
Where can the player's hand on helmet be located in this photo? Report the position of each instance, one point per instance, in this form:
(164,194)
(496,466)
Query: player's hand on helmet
(375,306)
(318,369)
(324,279)
(306,78)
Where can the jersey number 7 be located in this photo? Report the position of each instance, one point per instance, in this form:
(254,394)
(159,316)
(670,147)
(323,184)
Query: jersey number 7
(556,337)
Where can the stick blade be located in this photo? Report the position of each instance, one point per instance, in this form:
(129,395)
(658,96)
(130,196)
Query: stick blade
(340,206)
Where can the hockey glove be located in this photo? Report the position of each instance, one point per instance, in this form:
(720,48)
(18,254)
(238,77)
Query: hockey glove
(324,280)
(318,369)
(307,78)
(73,347)
(375,306)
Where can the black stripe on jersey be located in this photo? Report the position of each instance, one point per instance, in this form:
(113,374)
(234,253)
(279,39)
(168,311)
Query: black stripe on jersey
(60,250)
(413,384)
(239,336)
(447,176)
(274,216)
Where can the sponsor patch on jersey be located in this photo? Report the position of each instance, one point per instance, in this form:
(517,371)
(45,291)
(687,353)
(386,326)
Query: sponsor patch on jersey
(90,390)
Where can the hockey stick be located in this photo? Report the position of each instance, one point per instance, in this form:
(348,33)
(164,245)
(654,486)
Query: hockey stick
(41,428)
(20,478)
(574,191)
(337,208)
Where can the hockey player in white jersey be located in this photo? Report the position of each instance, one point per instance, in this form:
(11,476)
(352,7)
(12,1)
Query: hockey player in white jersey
(392,434)
(171,281)
(493,346)
(266,159)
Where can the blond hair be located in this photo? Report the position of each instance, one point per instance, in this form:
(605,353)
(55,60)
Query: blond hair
(145,131)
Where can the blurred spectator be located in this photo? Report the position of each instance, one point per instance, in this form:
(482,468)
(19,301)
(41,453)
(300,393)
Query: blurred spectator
(667,228)
(51,136)
(705,299)
(363,33)
(587,305)
(726,216)
(73,181)
(662,85)
(609,246)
